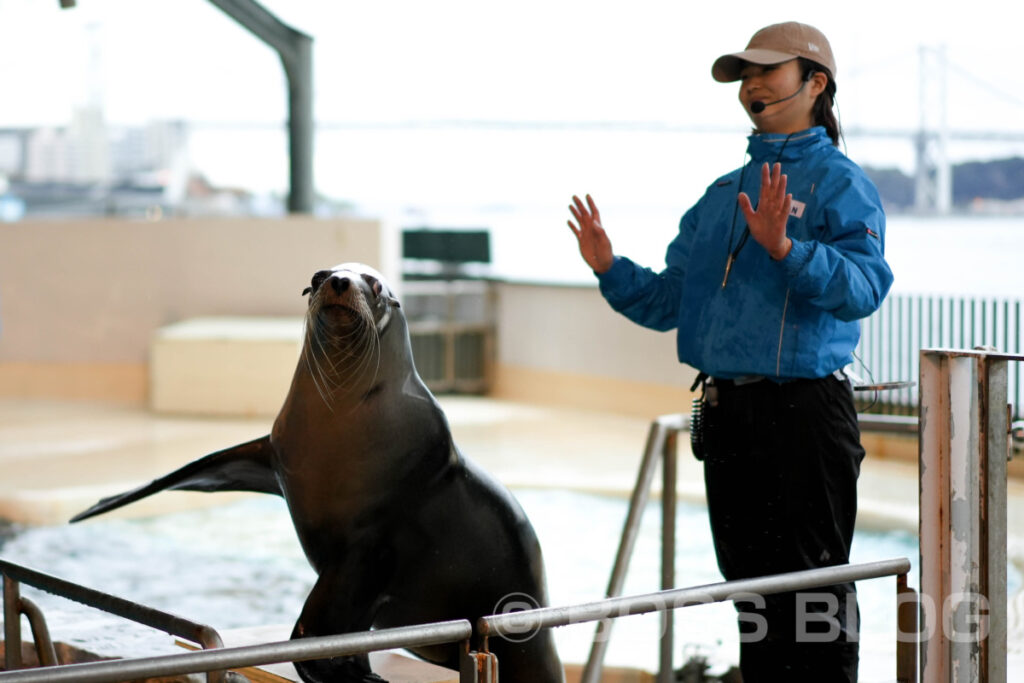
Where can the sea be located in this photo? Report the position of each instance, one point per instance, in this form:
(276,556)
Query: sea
(967,256)
(518,183)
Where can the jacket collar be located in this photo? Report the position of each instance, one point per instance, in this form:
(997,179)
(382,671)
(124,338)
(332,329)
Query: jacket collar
(773,147)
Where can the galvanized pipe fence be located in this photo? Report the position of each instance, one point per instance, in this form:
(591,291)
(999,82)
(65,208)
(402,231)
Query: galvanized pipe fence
(478,667)
(893,336)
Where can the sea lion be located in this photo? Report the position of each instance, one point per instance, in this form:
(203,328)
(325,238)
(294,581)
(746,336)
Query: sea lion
(399,526)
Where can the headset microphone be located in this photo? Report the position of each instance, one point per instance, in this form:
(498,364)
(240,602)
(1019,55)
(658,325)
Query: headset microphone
(757,106)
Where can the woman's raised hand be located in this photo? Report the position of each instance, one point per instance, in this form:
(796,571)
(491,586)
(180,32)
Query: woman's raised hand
(768,222)
(595,247)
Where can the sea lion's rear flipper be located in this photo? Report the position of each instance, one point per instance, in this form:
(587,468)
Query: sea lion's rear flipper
(245,467)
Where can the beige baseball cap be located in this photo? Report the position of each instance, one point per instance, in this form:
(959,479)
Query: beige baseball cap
(776,44)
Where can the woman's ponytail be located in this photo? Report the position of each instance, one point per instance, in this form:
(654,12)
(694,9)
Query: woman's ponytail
(822,111)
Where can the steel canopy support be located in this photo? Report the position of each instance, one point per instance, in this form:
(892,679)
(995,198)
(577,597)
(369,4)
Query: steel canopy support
(296,52)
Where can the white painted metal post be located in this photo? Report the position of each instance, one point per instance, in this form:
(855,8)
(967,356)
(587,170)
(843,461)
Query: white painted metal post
(963,445)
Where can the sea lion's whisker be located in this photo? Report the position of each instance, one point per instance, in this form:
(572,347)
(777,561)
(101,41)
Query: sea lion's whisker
(342,360)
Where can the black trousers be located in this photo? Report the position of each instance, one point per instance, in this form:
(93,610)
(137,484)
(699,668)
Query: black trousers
(781,478)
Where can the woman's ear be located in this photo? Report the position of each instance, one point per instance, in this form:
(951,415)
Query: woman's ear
(817,82)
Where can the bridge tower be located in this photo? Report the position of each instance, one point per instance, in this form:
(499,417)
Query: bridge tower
(933,187)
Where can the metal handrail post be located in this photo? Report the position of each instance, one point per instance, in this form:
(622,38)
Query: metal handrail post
(45,651)
(478,667)
(661,441)
(962,528)
(630,530)
(14,607)
(205,635)
(12,625)
(668,552)
(907,606)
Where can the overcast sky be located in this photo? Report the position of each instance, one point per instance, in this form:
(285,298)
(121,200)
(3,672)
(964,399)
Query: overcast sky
(544,59)
(548,60)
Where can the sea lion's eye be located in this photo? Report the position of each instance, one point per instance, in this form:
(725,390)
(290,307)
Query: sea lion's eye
(318,279)
(374,283)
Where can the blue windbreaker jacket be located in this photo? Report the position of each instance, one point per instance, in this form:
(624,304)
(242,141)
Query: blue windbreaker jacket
(797,317)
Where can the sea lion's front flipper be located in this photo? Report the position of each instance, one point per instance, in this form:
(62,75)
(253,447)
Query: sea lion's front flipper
(245,467)
(345,599)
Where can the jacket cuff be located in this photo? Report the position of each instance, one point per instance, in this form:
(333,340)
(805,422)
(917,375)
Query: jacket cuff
(614,276)
(798,257)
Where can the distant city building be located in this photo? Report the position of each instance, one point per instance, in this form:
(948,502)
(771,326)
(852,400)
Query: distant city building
(89,168)
(12,152)
(157,145)
(89,151)
(88,147)
(48,156)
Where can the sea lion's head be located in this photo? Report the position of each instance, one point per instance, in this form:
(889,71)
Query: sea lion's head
(349,292)
(350,308)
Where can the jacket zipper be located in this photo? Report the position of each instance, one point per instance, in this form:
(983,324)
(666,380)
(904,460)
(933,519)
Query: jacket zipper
(782,330)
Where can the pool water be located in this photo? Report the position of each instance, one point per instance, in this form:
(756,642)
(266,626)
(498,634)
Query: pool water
(240,565)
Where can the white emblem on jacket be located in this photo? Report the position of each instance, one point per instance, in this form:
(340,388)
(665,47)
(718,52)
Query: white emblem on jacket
(797,209)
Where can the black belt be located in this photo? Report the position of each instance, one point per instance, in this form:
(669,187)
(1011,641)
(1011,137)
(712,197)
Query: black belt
(735,383)
(707,380)
(751,380)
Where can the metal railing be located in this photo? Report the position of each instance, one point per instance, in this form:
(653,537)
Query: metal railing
(301,649)
(662,441)
(515,624)
(476,667)
(905,323)
(661,444)
(15,605)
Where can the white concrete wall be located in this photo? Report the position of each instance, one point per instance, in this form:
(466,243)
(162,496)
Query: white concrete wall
(564,344)
(80,300)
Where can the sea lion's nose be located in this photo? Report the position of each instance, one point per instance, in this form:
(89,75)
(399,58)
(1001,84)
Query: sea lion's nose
(340,284)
